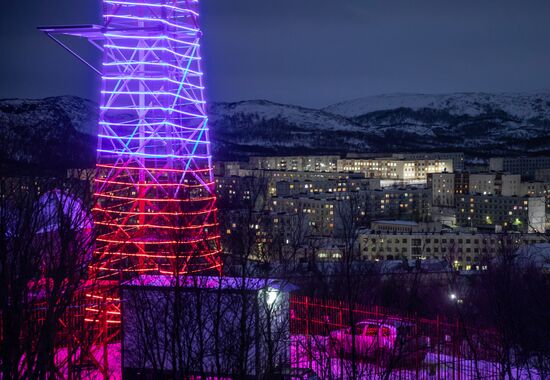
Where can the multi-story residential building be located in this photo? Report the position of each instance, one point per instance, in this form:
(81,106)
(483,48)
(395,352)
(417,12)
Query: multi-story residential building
(534,188)
(525,166)
(462,182)
(465,250)
(331,185)
(411,203)
(237,190)
(456,157)
(394,168)
(495,183)
(321,214)
(524,214)
(542,175)
(326,212)
(443,189)
(295,163)
(490,183)
(229,168)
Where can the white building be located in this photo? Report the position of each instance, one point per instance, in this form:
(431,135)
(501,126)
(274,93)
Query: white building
(295,163)
(394,168)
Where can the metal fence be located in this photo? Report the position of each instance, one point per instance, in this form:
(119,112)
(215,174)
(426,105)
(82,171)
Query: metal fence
(348,341)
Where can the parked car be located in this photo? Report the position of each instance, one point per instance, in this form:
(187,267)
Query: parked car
(397,342)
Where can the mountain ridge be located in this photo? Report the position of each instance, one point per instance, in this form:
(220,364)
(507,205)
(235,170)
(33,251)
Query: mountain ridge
(61,131)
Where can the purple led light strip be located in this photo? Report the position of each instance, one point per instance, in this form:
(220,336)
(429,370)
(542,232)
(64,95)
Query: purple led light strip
(154,160)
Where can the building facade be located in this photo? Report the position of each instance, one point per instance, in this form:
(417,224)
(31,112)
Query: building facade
(525,166)
(395,168)
(456,157)
(463,250)
(523,214)
(295,163)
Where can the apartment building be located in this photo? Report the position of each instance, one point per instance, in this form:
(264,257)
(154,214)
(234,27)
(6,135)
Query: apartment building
(394,168)
(412,203)
(524,166)
(443,189)
(330,185)
(456,157)
(318,215)
(542,175)
(464,250)
(493,183)
(295,163)
(523,214)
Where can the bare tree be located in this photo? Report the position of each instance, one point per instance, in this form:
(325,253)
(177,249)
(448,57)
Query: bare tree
(46,239)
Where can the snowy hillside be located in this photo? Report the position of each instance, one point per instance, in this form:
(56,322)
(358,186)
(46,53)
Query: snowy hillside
(523,106)
(60,131)
(476,123)
(303,118)
(263,127)
(53,132)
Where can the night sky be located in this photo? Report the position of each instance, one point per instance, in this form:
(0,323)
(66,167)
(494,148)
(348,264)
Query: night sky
(310,52)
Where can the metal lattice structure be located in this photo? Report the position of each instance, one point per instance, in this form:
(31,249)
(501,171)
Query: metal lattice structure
(155,207)
(155,189)
(155,203)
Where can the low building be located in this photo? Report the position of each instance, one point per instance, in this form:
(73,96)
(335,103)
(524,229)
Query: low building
(203,315)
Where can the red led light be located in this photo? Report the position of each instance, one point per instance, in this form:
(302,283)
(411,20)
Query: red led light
(155,202)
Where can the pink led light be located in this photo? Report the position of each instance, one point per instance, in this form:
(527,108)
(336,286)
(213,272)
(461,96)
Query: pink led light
(148,155)
(151,185)
(152,124)
(98,209)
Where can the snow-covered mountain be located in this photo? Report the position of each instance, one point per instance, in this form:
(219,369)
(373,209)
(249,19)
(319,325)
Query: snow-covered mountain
(477,123)
(60,131)
(260,126)
(518,105)
(54,132)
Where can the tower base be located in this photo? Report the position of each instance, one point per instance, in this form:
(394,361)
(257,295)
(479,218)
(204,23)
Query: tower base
(222,327)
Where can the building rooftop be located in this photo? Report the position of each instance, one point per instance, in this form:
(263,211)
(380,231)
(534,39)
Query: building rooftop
(396,222)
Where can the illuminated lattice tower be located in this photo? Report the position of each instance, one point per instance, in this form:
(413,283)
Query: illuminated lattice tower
(155,205)
(155,192)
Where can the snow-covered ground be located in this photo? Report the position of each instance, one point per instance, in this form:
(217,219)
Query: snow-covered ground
(313,353)
(89,372)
